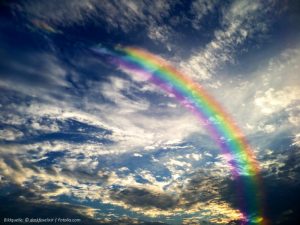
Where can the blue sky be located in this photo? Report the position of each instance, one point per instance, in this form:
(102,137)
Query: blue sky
(94,142)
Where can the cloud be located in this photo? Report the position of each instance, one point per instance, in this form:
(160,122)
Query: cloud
(18,201)
(93,183)
(281,181)
(124,116)
(272,101)
(25,69)
(200,194)
(240,21)
(10,134)
(200,9)
(54,167)
(161,34)
(264,101)
(114,139)
(144,198)
(122,15)
(296,140)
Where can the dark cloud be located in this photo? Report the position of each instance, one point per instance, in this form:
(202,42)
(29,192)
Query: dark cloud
(290,170)
(18,202)
(282,201)
(144,198)
(18,164)
(280,190)
(12,207)
(203,187)
(282,187)
(84,175)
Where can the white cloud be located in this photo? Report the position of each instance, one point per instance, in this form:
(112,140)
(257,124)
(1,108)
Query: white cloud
(46,127)
(127,118)
(199,9)
(161,34)
(296,140)
(137,155)
(272,101)
(269,128)
(194,156)
(173,162)
(10,134)
(265,100)
(241,20)
(113,91)
(294,117)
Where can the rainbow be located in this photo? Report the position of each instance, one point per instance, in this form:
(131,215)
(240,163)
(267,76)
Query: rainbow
(218,123)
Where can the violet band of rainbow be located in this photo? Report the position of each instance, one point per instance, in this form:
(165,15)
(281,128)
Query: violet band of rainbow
(218,123)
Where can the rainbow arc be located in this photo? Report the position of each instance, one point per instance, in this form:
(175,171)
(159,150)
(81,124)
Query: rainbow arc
(219,124)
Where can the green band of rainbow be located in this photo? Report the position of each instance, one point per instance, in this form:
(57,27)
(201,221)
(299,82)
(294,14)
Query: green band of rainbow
(220,125)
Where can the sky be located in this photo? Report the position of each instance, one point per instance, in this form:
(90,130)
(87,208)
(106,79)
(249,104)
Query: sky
(84,139)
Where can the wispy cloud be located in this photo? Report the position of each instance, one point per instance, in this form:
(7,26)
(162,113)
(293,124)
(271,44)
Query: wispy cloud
(200,9)
(240,21)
